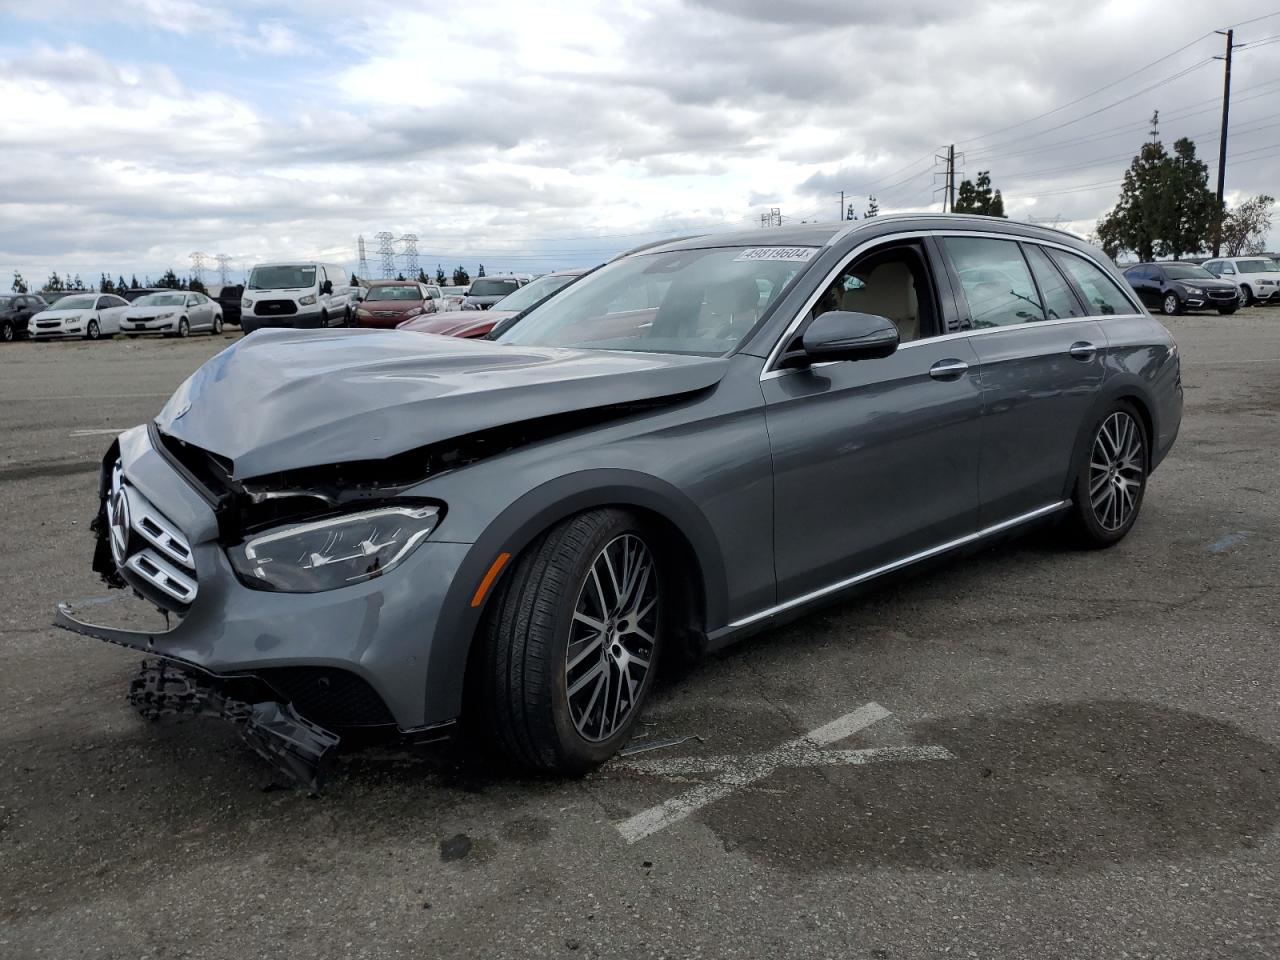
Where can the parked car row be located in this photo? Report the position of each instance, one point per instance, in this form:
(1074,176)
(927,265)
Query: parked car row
(1225,284)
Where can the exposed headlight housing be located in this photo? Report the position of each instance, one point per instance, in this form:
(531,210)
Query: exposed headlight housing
(334,552)
(308,300)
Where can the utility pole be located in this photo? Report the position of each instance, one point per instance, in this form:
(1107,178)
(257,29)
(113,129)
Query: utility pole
(841,204)
(1222,143)
(951,178)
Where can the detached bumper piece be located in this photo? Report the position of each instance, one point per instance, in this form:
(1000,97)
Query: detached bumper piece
(292,745)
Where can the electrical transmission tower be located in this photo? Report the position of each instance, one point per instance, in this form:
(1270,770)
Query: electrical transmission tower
(771,219)
(410,241)
(949,178)
(224,268)
(386,253)
(197,266)
(364,260)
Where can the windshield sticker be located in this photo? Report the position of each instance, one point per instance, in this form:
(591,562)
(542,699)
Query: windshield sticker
(791,254)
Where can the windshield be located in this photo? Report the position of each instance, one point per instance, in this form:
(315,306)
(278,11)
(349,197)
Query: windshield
(531,293)
(493,287)
(77,303)
(452,291)
(281,278)
(1257,266)
(407,292)
(688,301)
(1184,271)
(160,300)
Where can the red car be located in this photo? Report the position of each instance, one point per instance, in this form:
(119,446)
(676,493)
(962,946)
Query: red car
(389,303)
(476,323)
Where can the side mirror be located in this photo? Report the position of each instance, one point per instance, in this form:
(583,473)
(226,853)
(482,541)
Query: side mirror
(326,287)
(842,335)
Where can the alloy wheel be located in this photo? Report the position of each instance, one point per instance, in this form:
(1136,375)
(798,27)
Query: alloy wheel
(611,637)
(1171,304)
(1117,470)
(92,331)
(6,331)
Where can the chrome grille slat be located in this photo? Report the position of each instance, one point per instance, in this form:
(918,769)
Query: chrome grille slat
(170,566)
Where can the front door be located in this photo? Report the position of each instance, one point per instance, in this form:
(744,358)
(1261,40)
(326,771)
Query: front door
(874,460)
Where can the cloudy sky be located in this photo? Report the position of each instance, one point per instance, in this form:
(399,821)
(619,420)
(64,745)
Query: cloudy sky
(530,136)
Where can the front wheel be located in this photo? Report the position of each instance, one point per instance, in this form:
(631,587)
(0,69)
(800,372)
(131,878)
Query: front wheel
(1226,311)
(1246,296)
(7,333)
(1171,305)
(572,641)
(217,326)
(1112,478)
(92,331)
(184,328)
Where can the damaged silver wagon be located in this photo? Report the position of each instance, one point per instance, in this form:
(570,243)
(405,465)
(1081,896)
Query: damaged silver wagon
(366,529)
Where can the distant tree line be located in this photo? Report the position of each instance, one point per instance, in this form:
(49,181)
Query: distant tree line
(73,284)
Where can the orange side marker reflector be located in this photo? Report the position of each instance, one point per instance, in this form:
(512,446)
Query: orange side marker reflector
(494,569)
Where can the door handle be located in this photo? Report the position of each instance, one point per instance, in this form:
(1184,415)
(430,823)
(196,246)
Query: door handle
(1083,350)
(948,369)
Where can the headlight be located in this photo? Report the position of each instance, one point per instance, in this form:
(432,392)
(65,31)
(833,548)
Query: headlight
(308,300)
(332,553)
(1193,290)
(246,303)
(362,312)
(166,316)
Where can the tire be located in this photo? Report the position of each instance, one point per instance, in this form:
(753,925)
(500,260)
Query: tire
(1105,503)
(1226,311)
(1247,299)
(346,317)
(216,329)
(93,331)
(324,321)
(184,328)
(539,643)
(7,333)
(1171,305)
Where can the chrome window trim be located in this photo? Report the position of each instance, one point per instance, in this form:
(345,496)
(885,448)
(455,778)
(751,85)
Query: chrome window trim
(770,371)
(900,563)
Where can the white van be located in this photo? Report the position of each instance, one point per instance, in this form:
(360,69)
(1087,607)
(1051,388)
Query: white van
(296,294)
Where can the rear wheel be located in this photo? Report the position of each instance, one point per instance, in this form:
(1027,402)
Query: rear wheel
(1171,305)
(571,643)
(92,331)
(1112,478)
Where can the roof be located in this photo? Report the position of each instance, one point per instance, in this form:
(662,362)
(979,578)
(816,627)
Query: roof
(824,234)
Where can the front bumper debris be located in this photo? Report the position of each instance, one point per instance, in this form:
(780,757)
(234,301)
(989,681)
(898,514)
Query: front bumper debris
(293,745)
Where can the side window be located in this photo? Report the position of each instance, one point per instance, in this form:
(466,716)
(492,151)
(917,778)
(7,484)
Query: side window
(103,303)
(1227,268)
(996,282)
(890,282)
(1214,267)
(1102,293)
(1059,300)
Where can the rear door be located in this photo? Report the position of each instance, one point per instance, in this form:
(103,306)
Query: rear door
(875,460)
(1042,358)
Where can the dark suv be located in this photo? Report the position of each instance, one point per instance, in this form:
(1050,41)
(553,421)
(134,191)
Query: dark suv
(16,311)
(1174,287)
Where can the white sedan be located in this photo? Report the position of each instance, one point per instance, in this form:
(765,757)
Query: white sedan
(88,315)
(172,314)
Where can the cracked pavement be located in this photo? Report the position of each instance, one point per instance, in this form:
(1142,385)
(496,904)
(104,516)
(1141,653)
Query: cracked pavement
(1112,719)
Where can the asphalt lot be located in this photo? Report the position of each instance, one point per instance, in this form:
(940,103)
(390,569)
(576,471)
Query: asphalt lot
(1102,776)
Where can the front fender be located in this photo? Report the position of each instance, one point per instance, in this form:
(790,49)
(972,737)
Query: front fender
(520,523)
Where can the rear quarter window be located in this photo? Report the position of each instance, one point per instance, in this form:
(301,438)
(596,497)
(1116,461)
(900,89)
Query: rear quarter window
(1102,294)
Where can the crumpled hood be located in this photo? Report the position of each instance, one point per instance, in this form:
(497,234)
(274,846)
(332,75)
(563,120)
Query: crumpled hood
(283,399)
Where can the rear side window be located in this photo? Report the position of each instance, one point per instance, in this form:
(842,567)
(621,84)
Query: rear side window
(1102,293)
(996,282)
(1059,301)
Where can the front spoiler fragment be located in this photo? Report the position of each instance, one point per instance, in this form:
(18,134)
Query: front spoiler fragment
(293,745)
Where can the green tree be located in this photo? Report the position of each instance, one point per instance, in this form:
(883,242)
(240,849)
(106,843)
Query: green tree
(169,280)
(1244,229)
(399,276)
(198,286)
(355,281)
(460,277)
(480,272)
(978,197)
(106,284)
(422,276)
(440,277)
(873,209)
(1165,207)
(133,282)
(19,285)
(121,286)
(54,283)
(78,284)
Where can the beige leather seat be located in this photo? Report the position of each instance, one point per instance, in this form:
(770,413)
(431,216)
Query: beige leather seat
(890,291)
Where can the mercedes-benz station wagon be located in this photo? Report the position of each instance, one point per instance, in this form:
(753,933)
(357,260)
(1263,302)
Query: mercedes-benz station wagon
(691,443)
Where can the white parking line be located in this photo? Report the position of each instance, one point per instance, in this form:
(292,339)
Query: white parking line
(734,772)
(96,432)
